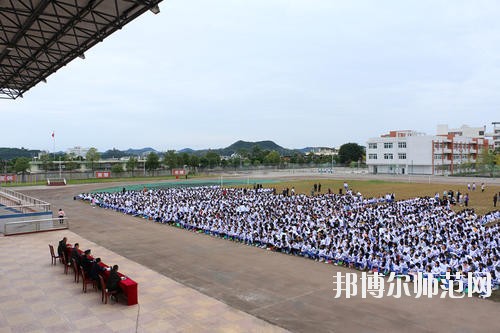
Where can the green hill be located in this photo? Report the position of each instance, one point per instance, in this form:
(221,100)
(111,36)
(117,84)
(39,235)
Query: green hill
(241,145)
(248,146)
(11,153)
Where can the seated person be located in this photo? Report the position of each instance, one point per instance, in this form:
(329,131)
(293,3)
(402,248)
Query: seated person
(75,254)
(61,249)
(113,280)
(95,271)
(86,262)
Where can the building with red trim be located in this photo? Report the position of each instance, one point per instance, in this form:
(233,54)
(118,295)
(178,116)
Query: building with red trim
(409,152)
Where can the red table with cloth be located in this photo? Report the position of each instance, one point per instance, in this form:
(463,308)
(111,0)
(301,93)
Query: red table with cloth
(127,285)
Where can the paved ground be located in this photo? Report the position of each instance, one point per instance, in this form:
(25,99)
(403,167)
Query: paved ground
(291,292)
(37,297)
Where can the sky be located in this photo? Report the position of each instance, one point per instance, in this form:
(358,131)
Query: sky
(204,74)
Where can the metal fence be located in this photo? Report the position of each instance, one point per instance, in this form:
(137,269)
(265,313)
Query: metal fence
(85,175)
(30,226)
(22,202)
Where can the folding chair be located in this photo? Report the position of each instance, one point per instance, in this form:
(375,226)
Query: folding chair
(86,280)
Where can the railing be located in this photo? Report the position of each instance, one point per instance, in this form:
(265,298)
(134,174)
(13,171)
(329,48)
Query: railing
(30,226)
(7,197)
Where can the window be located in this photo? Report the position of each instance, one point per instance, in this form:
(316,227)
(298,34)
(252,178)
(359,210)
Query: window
(437,156)
(388,156)
(481,132)
(402,156)
(402,144)
(372,156)
(372,146)
(439,145)
(387,145)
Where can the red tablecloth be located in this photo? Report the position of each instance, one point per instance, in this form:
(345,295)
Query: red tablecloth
(128,286)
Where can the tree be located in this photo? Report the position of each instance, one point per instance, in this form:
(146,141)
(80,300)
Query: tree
(171,159)
(117,168)
(194,161)
(152,161)
(297,158)
(22,165)
(131,164)
(487,161)
(350,152)
(71,165)
(236,161)
(69,162)
(203,161)
(273,158)
(92,157)
(47,163)
(213,159)
(3,165)
(183,159)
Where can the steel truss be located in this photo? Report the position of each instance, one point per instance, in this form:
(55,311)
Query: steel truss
(37,37)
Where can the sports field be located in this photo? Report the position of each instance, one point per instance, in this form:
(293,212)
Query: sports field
(481,202)
(287,291)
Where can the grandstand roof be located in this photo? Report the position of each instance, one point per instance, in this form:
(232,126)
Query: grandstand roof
(37,37)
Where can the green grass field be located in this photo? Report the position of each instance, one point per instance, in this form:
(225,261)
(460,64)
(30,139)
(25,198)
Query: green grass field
(481,202)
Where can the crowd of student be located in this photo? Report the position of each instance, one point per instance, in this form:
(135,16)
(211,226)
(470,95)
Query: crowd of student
(406,237)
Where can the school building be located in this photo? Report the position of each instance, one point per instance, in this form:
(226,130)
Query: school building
(411,152)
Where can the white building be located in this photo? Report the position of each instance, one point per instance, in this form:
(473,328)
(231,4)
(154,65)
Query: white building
(325,151)
(467,131)
(410,152)
(78,151)
(496,134)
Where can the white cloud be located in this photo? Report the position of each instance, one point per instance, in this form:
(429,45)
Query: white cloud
(302,72)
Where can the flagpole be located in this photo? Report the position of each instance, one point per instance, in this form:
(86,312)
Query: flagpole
(54,145)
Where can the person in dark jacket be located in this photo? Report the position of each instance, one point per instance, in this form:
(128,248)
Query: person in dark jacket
(61,249)
(113,279)
(86,261)
(75,253)
(95,271)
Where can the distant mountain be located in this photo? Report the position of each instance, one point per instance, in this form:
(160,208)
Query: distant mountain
(113,153)
(306,149)
(247,146)
(237,147)
(140,152)
(11,153)
(186,150)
